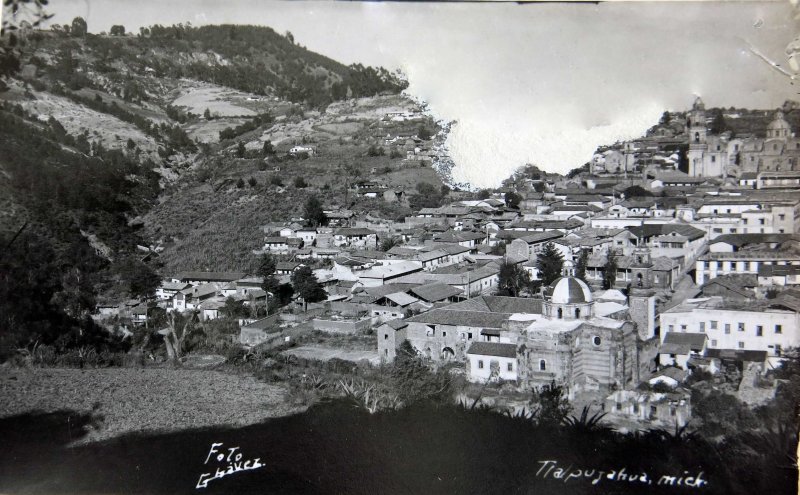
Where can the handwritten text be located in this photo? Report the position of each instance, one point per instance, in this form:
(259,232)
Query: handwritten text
(550,469)
(229,461)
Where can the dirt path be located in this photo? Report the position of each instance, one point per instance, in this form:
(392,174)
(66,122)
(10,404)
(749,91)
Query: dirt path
(132,399)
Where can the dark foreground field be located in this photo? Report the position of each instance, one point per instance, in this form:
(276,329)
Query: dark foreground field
(336,447)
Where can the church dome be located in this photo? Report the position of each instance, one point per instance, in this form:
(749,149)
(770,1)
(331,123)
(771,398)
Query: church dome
(569,290)
(779,123)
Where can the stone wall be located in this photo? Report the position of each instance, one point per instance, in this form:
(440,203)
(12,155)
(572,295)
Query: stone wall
(341,326)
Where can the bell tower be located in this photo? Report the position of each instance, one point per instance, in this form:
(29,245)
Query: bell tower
(698,145)
(641,296)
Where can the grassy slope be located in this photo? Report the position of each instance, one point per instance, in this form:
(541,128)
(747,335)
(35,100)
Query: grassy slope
(217,225)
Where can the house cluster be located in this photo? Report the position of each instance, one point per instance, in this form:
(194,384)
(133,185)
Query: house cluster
(768,160)
(600,342)
(705,276)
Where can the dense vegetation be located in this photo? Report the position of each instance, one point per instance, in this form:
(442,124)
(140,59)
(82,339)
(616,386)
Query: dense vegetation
(70,238)
(256,60)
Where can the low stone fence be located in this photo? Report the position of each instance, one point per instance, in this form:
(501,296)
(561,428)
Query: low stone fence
(347,326)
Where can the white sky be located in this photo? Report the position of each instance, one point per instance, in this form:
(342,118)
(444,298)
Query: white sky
(537,83)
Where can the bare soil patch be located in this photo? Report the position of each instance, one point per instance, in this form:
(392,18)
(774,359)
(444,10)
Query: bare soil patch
(143,399)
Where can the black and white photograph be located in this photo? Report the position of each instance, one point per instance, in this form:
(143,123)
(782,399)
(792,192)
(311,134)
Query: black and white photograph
(386,247)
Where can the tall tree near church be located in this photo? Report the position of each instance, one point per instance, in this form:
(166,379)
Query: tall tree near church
(580,266)
(513,280)
(610,270)
(549,262)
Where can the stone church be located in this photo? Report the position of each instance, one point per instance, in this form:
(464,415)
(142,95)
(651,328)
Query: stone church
(723,156)
(573,346)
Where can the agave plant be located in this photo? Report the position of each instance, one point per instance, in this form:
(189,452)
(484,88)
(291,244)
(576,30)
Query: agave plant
(521,414)
(586,423)
(315,382)
(682,434)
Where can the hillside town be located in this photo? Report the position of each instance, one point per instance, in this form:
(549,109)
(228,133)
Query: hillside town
(619,283)
(328,247)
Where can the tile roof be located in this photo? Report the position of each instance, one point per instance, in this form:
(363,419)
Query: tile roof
(348,231)
(211,276)
(737,354)
(695,341)
(493,349)
(435,292)
(263,323)
(401,298)
(392,270)
(740,240)
(475,319)
(275,240)
(397,323)
(173,285)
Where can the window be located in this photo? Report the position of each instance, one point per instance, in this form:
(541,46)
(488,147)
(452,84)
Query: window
(759,330)
(683,328)
(713,325)
(741,345)
(463,336)
(542,365)
(778,349)
(444,334)
(619,406)
(727,328)
(671,328)
(778,329)
(510,366)
(386,352)
(741,327)
(386,337)
(713,343)
(596,340)
(560,313)
(480,364)
(635,408)
(672,411)
(469,335)
(653,411)
(761,221)
(782,216)
(702,326)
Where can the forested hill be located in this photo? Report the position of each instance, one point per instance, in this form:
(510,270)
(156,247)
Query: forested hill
(253,59)
(65,230)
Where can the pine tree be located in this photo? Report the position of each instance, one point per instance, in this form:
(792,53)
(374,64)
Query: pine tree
(610,270)
(513,280)
(307,286)
(549,263)
(580,266)
(266,270)
(313,212)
